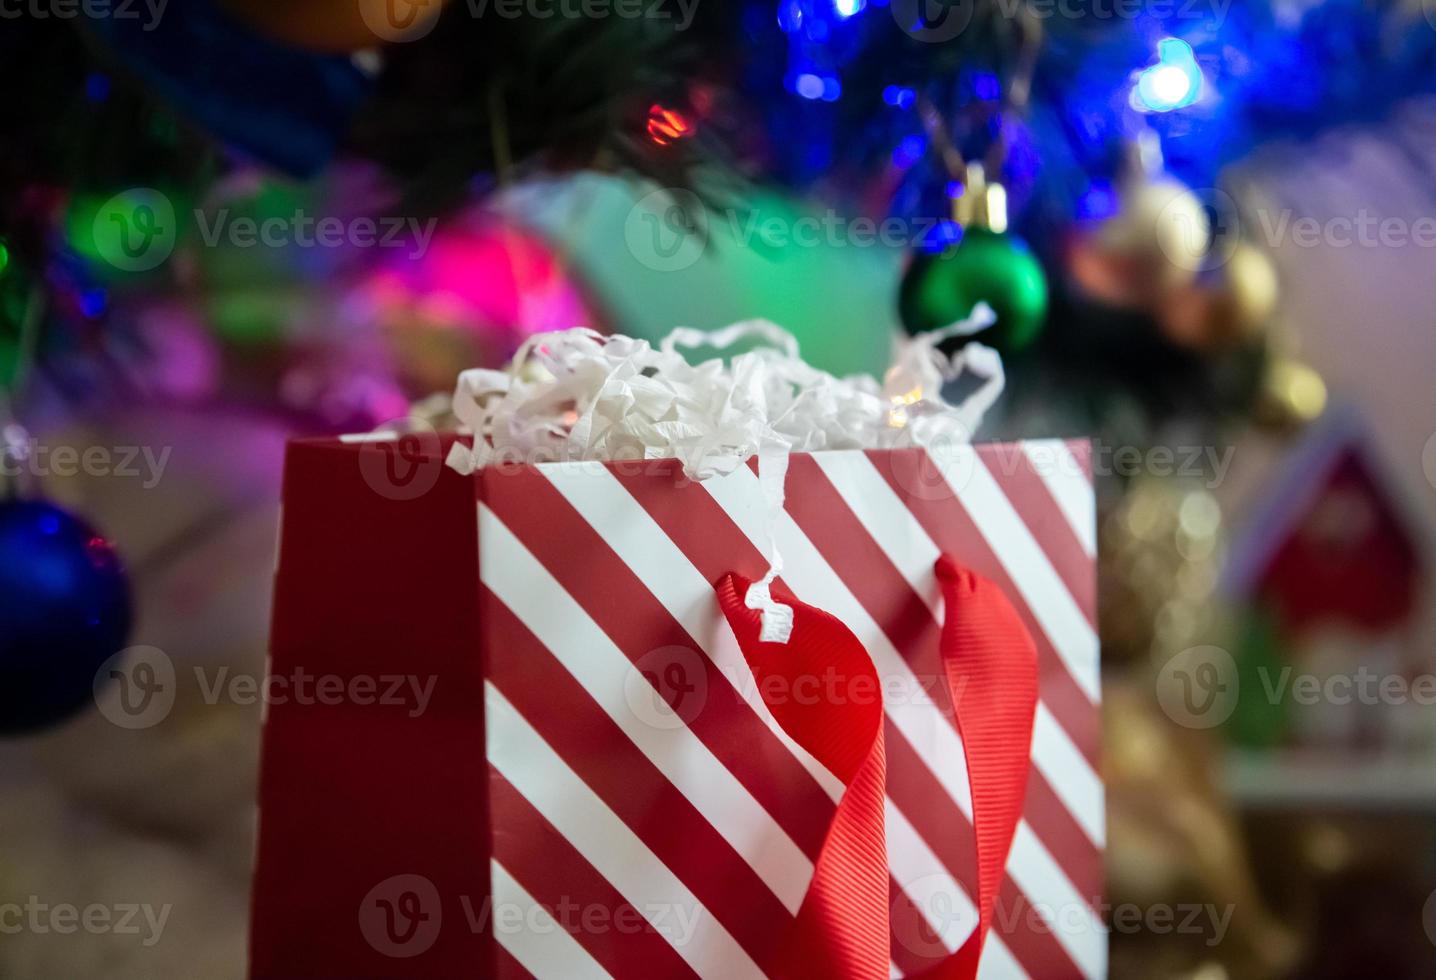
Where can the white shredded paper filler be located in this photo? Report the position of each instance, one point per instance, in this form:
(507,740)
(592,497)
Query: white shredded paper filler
(579,395)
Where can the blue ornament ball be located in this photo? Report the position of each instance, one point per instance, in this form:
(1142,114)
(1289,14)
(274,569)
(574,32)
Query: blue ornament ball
(64,611)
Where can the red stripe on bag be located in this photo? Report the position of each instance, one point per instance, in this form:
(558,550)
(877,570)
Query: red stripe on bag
(594,747)
(845,544)
(945,829)
(952,529)
(551,870)
(1016,475)
(508,968)
(912,788)
(616,599)
(703,531)
(694,522)
(905,618)
(916,946)
(1064,838)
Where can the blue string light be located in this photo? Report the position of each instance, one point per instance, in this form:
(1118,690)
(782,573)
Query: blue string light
(1099,201)
(1174,82)
(790,16)
(93,303)
(941,236)
(909,151)
(899,96)
(986,86)
(1216,88)
(808,85)
(97,87)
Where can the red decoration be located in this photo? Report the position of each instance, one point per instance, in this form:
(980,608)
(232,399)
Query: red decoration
(1332,545)
(667,126)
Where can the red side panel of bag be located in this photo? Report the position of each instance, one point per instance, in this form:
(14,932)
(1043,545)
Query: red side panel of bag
(374,842)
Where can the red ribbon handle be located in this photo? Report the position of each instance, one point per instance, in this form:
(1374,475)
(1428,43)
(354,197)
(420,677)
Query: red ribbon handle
(842,927)
(990,664)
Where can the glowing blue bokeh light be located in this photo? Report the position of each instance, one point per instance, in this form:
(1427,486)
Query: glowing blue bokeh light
(1174,82)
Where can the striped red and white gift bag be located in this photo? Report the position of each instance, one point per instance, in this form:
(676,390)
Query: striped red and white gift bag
(596,784)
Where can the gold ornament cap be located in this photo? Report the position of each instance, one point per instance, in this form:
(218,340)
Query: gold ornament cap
(982,204)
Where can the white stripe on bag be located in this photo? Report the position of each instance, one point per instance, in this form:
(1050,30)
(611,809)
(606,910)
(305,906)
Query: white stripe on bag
(672,578)
(1068,913)
(944,904)
(547,950)
(1067,771)
(913,713)
(1060,470)
(907,545)
(1042,588)
(553,789)
(560,623)
(595,493)
(908,703)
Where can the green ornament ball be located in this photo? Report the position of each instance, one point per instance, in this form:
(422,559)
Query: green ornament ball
(985,267)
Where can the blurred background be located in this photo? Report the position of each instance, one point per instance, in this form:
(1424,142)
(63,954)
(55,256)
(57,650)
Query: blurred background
(1208,229)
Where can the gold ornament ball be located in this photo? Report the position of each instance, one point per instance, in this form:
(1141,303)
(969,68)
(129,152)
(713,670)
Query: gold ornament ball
(1251,290)
(1163,223)
(1155,244)
(1292,394)
(1228,313)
